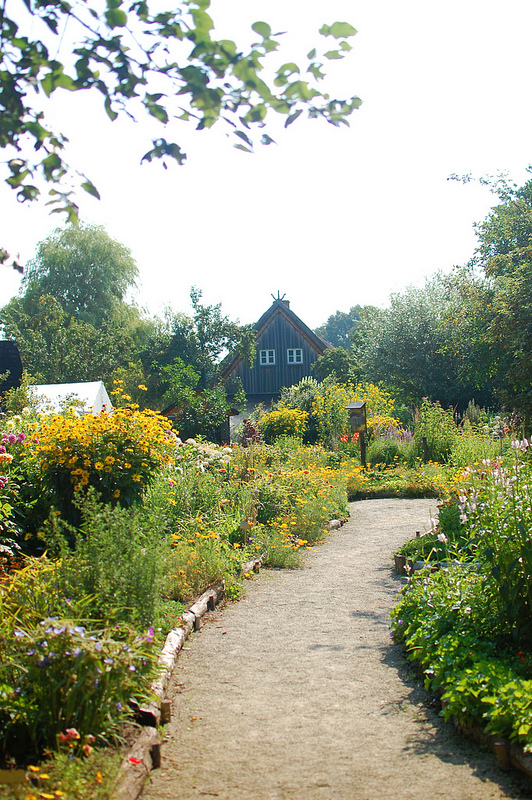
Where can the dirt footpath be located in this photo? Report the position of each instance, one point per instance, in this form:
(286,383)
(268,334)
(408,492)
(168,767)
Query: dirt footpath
(297,691)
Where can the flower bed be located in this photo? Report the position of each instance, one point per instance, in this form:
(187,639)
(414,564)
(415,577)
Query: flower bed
(468,623)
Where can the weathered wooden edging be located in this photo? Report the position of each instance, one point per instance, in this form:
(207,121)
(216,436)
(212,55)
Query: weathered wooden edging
(145,753)
(508,755)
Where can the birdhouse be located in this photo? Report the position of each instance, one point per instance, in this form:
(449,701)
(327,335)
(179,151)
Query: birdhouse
(357,417)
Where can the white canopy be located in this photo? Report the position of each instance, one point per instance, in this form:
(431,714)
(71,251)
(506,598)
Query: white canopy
(92,396)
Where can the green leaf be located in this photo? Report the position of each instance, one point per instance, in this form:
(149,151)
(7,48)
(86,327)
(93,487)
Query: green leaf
(116,18)
(292,118)
(111,113)
(244,137)
(339,30)
(262,28)
(90,188)
(331,54)
(312,54)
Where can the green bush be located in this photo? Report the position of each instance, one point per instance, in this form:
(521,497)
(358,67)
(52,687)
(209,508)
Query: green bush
(283,422)
(450,626)
(390,450)
(115,560)
(437,425)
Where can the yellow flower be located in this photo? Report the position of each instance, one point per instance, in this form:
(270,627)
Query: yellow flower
(116,493)
(135,478)
(142,387)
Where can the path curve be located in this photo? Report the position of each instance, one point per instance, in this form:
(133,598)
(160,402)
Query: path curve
(297,692)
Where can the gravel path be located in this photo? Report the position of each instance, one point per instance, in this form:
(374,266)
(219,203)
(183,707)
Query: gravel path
(298,692)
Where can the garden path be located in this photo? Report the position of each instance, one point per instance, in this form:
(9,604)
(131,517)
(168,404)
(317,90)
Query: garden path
(297,692)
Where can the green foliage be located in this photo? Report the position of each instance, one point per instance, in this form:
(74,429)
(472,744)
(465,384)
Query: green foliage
(438,426)
(496,507)
(215,81)
(71,322)
(85,270)
(116,558)
(339,327)
(59,675)
(407,346)
(283,422)
(451,627)
(303,396)
(390,450)
(489,323)
(338,364)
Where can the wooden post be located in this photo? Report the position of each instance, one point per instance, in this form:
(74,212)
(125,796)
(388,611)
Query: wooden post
(425,451)
(166,712)
(363,451)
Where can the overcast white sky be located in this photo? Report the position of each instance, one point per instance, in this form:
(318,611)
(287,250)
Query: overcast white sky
(329,217)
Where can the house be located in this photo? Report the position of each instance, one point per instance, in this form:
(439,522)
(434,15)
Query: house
(286,351)
(88,396)
(10,365)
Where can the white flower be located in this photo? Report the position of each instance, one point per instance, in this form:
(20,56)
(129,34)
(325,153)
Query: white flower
(442,538)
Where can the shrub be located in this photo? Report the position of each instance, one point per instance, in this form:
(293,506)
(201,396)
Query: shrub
(437,425)
(303,396)
(115,560)
(283,422)
(116,452)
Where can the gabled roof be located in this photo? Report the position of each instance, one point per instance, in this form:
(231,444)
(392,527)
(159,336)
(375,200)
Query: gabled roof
(92,394)
(280,308)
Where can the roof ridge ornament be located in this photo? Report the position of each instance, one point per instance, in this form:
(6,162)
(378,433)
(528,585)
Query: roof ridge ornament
(279,296)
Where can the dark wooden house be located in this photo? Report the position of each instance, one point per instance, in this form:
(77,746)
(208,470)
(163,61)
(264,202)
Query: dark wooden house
(286,351)
(10,364)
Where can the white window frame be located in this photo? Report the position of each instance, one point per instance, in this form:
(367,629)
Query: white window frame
(266,358)
(294,355)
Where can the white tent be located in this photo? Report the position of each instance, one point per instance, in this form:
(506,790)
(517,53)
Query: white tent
(85,397)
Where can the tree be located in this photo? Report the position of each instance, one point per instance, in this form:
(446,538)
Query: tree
(85,270)
(339,364)
(406,347)
(201,342)
(339,327)
(165,63)
(496,299)
(72,322)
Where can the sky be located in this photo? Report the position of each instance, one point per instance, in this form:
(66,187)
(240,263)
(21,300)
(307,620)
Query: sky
(327,217)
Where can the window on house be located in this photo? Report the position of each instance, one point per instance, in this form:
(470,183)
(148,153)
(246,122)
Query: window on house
(266,357)
(295,355)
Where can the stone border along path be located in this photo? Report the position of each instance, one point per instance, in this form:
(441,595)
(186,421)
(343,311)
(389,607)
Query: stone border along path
(297,691)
